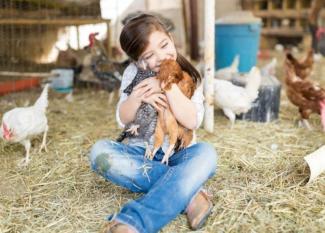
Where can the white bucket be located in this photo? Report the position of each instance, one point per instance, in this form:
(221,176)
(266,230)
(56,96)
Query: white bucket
(62,80)
(316,163)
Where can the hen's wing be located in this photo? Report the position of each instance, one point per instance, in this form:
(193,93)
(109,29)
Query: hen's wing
(228,95)
(309,90)
(187,85)
(18,120)
(140,76)
(25,122)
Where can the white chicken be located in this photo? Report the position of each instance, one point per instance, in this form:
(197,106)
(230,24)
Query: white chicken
(270,68)
(234,99)
(227,72)
(21,124)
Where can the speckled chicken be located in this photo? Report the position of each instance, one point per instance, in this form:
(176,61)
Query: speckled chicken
(105,70)
(144,124)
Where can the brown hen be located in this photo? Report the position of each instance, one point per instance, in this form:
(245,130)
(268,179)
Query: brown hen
(308,96)
(170,72)
(304,67)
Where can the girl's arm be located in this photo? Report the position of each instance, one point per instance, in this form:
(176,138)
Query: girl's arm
(187,112)
(122,117)
(128,109)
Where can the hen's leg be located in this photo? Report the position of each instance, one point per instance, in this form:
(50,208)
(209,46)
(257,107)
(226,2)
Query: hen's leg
(322,113)
(43,145)
(26,160)
(231,115)
(306,124)
(148,153)
(305,116)
(159,138)
(172,128)
(110,98)
(150,130)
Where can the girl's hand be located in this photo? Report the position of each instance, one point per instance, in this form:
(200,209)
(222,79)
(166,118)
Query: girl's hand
(152,84)
(157,100)
(138,94)
(142,94)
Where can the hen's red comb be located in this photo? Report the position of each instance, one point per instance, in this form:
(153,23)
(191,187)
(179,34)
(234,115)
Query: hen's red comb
(92,37)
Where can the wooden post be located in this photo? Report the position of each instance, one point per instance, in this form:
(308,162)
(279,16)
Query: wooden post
(209,28)
(194,30)
(78,37)
(108,40)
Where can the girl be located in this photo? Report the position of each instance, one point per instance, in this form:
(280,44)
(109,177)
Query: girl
(168,190)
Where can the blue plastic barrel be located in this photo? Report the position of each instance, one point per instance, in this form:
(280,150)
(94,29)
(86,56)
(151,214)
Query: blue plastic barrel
(232,39)
(63,80)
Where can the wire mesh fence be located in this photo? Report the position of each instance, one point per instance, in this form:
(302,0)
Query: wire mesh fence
(34,34)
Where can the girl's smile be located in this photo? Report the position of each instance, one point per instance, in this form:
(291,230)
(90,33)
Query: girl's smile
(160,47)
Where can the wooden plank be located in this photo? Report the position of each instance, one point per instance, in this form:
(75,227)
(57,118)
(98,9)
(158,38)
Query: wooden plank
(285,4)
(298,22)
(108,41)
(27,74)
(72,21)
(281,13)
(289,32)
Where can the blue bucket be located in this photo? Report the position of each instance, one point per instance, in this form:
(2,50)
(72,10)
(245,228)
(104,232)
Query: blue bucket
(63,80)
(233,39)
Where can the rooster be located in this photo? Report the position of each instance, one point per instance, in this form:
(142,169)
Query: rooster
(308,96)
(234,99)
(179,137)
(302,68)
(21,124)
(103,67)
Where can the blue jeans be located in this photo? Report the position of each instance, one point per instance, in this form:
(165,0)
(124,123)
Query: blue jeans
(168,189)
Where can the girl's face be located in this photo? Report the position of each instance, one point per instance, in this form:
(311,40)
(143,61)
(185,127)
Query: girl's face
(160,47)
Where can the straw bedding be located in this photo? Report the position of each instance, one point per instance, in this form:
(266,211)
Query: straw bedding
(259,186)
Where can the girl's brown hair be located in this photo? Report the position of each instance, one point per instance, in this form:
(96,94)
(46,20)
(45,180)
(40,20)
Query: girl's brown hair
(134,40)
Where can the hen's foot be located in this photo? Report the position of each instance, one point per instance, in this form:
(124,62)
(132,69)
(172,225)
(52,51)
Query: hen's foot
(134,130)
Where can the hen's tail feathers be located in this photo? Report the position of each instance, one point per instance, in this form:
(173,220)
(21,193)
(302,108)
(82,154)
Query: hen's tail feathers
(178,145)
(253,83)
(235,63)
(269,69)
(122,136)
(42,101)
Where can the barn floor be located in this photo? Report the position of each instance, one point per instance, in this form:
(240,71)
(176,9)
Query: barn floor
(259,186)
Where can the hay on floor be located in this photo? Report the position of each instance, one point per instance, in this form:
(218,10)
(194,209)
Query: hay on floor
(259,186)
